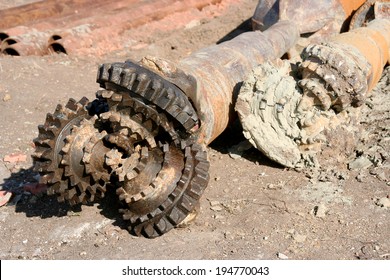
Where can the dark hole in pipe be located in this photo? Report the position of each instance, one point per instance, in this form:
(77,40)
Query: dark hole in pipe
(9,41)
(11,51)
(56,37)
(3,36)
(57,48)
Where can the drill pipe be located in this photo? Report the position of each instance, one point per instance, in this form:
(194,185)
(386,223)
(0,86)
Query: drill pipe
(43,10)
(369,11)
(104,32)
(348,65)
(31,43)
(211,77)
(310,15)
(88,31)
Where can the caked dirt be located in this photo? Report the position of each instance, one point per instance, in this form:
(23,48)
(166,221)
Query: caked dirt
(252,208)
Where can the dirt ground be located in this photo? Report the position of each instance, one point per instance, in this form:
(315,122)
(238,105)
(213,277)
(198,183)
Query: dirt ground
(252,208)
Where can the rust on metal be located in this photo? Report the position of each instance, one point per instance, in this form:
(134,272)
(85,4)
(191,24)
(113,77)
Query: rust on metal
(321,17)
(43,10)
(228,63)
(31,43)
(370,10)
(85,26)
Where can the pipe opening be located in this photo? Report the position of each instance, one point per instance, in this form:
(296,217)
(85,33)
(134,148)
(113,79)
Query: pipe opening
(9,42)
(57,48)
(56,37)
(3,36)
(11,51)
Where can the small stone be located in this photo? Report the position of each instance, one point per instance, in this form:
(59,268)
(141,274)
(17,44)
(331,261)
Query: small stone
(5,196)
(320,211)
(216,208)
(217,178)
(214,203)
(25,241)
(383,202)
(237,151)
(7,97)
(282,256)
(382,176)
(299,238)
(14,158)
(83,253)
(228,235)
(271,187)
(360,177)
(360,163)
(265,238)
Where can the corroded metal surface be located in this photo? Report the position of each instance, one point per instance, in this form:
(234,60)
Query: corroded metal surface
(211,77)
(370,10)
(83,26)
(323,17)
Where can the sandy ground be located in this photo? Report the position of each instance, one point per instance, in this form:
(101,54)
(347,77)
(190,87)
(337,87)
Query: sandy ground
(252,208)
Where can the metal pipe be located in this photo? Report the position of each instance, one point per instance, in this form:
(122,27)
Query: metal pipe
(89,32)
(42,10)
(348,65)
(310,15)
(213,75)
(31,43)
(370,10)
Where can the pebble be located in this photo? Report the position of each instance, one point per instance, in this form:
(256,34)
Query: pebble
(320,211)
(7,97)
(360,177)
(216,208)
(299,238)
(383,202)
(214,203)
(360,163)
(83,253)
(282,256)
(382,176)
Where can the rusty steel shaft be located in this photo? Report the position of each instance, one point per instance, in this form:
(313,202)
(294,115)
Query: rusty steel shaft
(213,75)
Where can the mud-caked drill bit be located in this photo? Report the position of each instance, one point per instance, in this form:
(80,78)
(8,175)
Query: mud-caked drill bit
(314,112)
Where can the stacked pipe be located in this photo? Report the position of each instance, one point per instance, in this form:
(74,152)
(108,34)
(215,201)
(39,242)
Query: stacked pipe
(80,26)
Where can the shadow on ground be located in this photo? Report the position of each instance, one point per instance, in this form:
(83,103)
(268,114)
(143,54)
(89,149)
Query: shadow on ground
(45,206)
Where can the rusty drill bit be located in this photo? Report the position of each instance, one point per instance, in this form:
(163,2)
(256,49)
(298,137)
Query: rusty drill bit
(146,133)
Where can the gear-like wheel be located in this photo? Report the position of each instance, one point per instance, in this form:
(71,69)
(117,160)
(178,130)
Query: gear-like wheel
(160,179)
(50,141)
(180,201)
(141,82)
(83,184)
(135,137)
